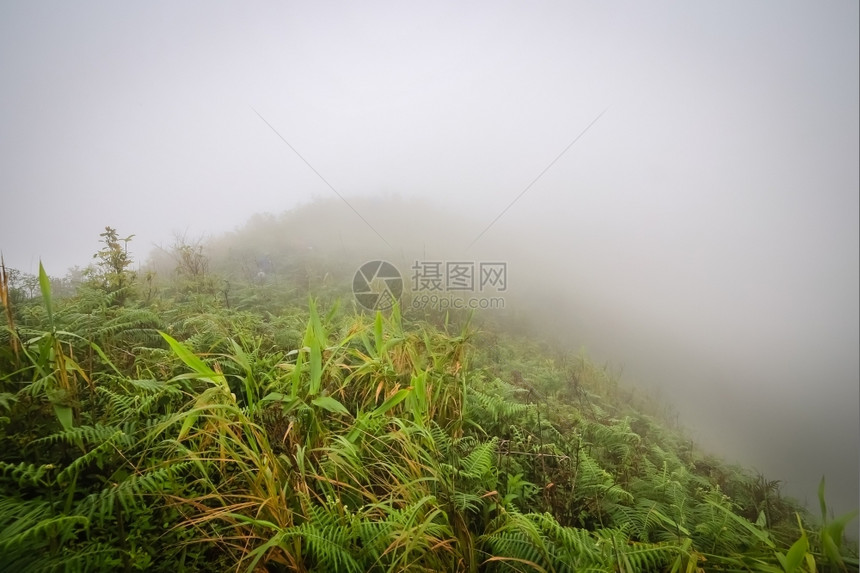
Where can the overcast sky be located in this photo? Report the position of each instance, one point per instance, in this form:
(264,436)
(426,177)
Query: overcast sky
(711,211)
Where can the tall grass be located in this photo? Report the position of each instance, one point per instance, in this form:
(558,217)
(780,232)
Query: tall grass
(372,443)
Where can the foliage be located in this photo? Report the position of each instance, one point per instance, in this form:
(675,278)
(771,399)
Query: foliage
(177,433)
(113,262)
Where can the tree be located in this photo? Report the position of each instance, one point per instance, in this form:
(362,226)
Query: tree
(192,265)
(114,262)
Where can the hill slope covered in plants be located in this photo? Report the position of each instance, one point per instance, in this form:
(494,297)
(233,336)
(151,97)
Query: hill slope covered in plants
(216,419)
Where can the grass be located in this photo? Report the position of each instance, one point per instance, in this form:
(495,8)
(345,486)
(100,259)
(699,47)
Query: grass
(168,433)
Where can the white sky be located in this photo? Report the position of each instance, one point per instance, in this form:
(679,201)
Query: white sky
(715,201)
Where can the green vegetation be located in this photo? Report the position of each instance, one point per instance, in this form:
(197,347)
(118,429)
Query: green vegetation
(172,424)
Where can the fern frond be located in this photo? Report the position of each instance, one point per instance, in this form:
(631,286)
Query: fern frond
(132,491)
(96,434)
(95,455)
(479,463)
(517,544)
(30,524)
(91,556)
(24,473)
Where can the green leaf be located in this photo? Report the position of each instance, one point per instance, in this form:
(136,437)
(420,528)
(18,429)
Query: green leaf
(241,357)
(837,526)
(796,554)
(315,320)
(759,534)
(45,287)
(330,404)
(274,397)
(190,418)
(192,360)
(296,374)
(64,415)
(831,532)
(104,357)
(358,427)
(314,338)
(821,500)
(395,319)
(418,398)
(315,363)
(377,333)
(397,398)
(831,536)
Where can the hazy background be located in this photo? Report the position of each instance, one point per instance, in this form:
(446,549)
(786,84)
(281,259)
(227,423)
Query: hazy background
(703,232)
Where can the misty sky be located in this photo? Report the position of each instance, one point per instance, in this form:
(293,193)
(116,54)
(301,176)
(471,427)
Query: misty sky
(710,216)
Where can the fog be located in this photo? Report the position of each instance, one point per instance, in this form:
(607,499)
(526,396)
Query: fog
(701,232)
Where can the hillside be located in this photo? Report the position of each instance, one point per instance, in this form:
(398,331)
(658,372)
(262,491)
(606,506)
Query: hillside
(231,407)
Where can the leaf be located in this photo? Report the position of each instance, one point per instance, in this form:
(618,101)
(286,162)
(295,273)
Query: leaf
(190,418)
(418,399)
(314,338)
(531,564)
(330,404)
(831,532)
(296,374)
(358,427)
(64,415)
(192,360)
(837,526)
(394,400)
(45,287)
(821,500)
(274,397)
(240,357)
(759,534)
(831,536)
(7,399)
(796,554)
(377,333)
(395,319)
(104,357)
(315,363)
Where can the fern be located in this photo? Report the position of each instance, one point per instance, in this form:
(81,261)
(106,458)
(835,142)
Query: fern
(516,543)
(647,520)
(592,481)
(498,406)
(378,448)
(480,461)
(24,473)
(28,525)
(138,324)
(616,439)
(90,557)
(78,435)
(95,455)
